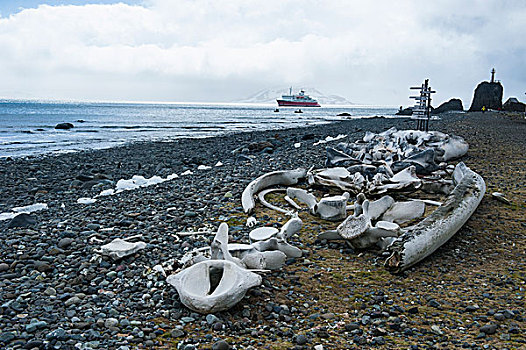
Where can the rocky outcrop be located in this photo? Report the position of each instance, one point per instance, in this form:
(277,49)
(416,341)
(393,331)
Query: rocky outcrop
(513,105)
(487,95)
(452,105)
(405,111)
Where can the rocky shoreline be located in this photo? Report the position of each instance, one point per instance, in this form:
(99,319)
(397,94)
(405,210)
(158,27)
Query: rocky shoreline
(57,292)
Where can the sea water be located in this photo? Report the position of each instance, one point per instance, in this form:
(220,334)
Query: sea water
(28,127)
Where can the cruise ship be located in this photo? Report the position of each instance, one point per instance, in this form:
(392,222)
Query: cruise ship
(298,100)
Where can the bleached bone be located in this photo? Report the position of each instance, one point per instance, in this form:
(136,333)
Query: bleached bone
(292,203)
(407,175)
(332,208)
(401,212)
(213,285)
(262,233)
(373,235)
(290,228)
(285,178)
(251,221)
(424,238)
(500,197)
(424,162)
(263,201)
(427,201)
(330,235)
(452,148)
(303,196)
(443,186)
(354,226)
(380,206)
(277,244)
(269,260)
(219,246)
(119,248)
(338,158)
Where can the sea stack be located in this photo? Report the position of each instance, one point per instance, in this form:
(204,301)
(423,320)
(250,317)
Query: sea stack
(487,94)
(452,105)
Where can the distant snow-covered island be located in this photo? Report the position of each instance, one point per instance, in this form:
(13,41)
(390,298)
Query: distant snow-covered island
(270,95)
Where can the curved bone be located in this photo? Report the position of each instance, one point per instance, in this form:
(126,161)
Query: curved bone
(262,194)
(197,291)
(303,196)
(422,239)
(285,177)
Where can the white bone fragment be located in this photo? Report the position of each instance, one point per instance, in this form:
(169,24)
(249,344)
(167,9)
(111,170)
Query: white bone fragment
(401,212)
(262,233)
(213,285)
(500,197)
(422,239)
(119,248)
(285,178)
(251,221)
(290,228)
(333,208)
(427,201)
(330,235)
(159,269)
(292,203)
(269,260)
(380,206)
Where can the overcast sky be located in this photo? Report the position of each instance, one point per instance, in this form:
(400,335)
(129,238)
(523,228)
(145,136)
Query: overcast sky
(195,50)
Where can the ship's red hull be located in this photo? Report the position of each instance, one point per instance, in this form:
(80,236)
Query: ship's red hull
(283,103)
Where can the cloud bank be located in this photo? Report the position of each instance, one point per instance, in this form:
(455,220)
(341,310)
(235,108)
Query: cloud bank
(199,50)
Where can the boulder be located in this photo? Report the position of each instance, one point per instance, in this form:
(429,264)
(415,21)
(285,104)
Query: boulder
(452,105)
(64,126)
(22,220)
(488,95)
(513,105)
(405,111)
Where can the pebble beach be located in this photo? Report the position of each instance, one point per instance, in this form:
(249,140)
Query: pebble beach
(57,292)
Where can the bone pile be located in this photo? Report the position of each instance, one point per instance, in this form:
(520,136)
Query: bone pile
(368,171)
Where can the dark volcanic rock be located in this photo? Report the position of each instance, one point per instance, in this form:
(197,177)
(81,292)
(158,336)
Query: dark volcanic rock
(64,126)
(405,111)
(452,105)
(513,105)
(22,220)
(488,95)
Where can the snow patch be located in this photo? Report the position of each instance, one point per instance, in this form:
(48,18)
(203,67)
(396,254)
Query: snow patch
(18,210)
(329,139)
